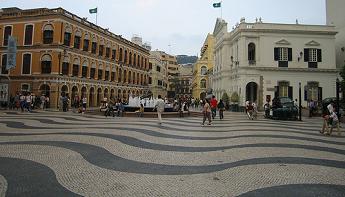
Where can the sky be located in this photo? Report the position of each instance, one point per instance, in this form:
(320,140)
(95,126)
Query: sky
(180,26)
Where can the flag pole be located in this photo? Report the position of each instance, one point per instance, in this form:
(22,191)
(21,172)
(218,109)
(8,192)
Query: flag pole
(96,14)
(221,9)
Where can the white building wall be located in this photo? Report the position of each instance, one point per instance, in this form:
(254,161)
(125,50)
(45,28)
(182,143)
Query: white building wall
(335,15)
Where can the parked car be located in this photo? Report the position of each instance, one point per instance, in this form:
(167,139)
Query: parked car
(284,108)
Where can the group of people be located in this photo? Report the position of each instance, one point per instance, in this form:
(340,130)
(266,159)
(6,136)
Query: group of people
(210,107)
(27,101)
(77,104)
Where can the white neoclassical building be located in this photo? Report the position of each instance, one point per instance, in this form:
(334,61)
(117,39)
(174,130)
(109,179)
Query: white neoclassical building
(263,60)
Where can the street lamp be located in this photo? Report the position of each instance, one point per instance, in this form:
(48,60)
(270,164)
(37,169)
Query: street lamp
(300,101)
(337,86)
(59,74)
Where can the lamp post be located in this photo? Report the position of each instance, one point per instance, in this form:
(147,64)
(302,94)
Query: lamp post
(58,77)
(299,101)
(337,86)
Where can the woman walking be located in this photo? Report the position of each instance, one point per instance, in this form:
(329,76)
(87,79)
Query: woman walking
(221,108)
(206,110)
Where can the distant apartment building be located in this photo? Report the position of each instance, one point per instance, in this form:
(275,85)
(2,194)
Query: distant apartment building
(336,17)
(158,81)
(260,61)
(184,82)
(203,68)
(61,53)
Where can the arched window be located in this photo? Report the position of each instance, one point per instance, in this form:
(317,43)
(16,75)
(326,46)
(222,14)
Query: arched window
(203,83)
(65,65)
(113,73)
(135,60)
(46,64)
(94,45)
(107,71)
(77,39)
(124,76)
(129,77)
(100,72)
(28,34)
(26,66)
(251,53)
(48,34)
(120,55)
(125,61)
(7,33)
(75,68)
(84,69)
(130,58)
(203,70)
(120,75)
(67,36)
(86,42)
(93,71)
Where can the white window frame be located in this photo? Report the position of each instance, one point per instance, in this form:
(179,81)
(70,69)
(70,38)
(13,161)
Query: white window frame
(3,34)
(313,55)
(33,34)
(21,87)
(23,63)
(283,54)
(5,66)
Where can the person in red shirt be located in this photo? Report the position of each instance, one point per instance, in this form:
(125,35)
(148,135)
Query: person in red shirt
(213,104)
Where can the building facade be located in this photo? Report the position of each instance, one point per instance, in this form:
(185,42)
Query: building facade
(335,17)
(59,52)
(201,70)
(260,61)
(158,82)
(184,88)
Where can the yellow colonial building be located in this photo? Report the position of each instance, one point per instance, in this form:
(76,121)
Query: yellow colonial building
(200,82)
(158,80)
(59,52)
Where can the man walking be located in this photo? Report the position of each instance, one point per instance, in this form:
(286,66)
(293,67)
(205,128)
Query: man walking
(213,104)
(160,108)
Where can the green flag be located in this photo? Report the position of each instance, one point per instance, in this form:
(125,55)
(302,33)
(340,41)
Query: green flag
(217,5)
(93,11)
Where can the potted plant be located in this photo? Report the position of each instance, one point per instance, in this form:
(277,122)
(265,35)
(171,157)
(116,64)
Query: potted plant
(234,100)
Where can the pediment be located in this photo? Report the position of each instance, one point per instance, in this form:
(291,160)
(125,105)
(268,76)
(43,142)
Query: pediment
(312,43)
(283,42)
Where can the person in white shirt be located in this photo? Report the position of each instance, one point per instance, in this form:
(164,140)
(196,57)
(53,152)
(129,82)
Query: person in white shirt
(160,108)
(334,122)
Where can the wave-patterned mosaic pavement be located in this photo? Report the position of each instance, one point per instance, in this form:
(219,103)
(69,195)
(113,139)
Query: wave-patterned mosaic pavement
(65,154)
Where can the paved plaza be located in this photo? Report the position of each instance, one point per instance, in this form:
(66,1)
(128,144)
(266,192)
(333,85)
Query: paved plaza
(67,154)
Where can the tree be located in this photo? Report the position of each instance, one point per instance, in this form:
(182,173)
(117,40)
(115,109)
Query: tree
(342,82)
(234,97)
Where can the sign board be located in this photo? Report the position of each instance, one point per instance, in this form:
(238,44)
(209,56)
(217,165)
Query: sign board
(3,92)
(11,53)
(271,89)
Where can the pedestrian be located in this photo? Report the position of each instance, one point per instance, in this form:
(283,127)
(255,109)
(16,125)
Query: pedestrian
(84,101)
(160,105)
(221,109)
(206,110)
(213,104)
(28,99)
(43,101)
(311,108)
(333,121)
(140,112)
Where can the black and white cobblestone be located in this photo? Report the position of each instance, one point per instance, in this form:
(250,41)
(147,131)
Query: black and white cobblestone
(96,156)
